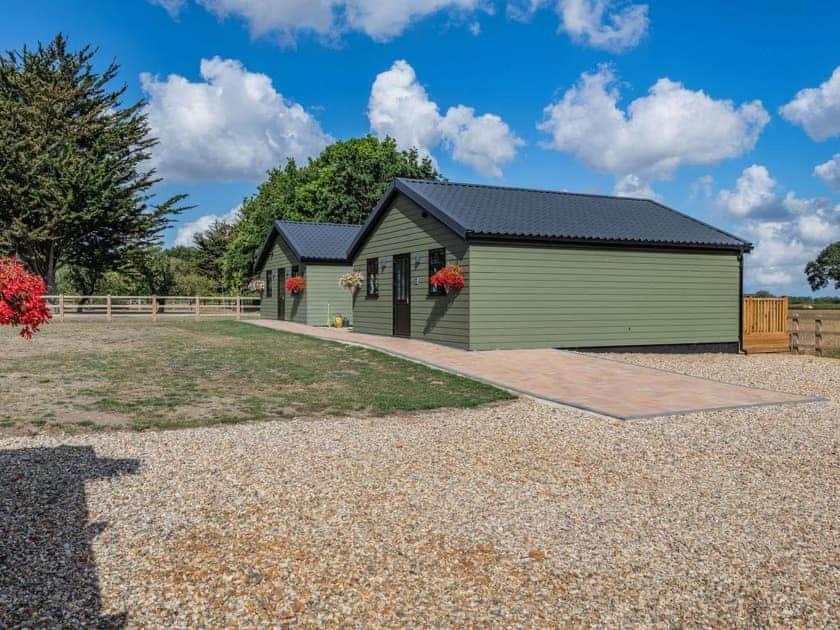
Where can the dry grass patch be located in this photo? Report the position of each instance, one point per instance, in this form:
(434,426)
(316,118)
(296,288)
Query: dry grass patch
(89,376)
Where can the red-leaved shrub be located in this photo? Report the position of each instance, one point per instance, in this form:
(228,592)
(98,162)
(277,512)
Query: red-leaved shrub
(21,298)
(295,284)
(450,277)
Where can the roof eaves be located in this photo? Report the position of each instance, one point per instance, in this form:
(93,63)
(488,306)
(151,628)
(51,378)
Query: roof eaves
(436,211)
(746,246)
(323,259)
(401,186)
(361,237)
(580,240)
(287,239)
(263,251)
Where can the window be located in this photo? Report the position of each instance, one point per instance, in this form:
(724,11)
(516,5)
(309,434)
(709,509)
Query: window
(372,277)
(437,261)
(268,283)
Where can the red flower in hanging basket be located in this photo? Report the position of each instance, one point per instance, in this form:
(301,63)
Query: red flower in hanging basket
(22,298)
(450,277)
(295,284)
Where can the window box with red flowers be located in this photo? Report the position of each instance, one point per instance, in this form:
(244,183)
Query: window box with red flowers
(450,277)
(295,285)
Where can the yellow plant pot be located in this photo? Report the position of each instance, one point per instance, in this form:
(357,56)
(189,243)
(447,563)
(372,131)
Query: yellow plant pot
(339,321)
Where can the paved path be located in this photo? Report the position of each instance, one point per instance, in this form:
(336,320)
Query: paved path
(592,382)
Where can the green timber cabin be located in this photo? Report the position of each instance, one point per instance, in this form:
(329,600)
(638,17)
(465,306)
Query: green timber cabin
(317,252)
(546,270)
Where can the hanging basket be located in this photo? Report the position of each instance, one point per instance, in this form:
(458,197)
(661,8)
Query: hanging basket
(295,285)
(450,278)
(352,281)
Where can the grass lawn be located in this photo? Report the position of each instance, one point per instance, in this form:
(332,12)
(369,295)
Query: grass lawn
(92,375)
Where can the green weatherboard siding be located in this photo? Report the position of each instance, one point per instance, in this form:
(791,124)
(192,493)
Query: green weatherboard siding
(404,230)
(324,297)
(322,293)
(553,296)
(281,257)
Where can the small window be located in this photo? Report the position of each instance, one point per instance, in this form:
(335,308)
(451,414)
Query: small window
(295,271)
(372,277)
(268,283)
(437,261)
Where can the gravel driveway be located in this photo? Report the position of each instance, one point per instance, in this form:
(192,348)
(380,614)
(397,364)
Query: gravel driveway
(520,514)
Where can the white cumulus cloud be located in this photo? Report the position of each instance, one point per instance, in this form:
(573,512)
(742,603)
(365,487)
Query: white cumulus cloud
(400,107)
(287,19)
(788,231)
(603,24)
(829,172)
(754,193)
(232,125)
(483,142)
(597,24)
(657,133)
(634,186)
(187,231)
(817,109)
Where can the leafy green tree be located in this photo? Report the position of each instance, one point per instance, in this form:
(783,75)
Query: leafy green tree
(152,270)
(341,185)
(73,189)
(825,269)
(210,248)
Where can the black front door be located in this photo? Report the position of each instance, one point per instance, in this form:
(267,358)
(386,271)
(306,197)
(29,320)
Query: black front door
(281,294)
(402,295)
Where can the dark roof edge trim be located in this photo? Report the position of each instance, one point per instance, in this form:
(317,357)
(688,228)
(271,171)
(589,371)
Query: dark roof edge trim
(399,187)
(475,237)
(334,261)
(746,247)
(264,250)
(275,230)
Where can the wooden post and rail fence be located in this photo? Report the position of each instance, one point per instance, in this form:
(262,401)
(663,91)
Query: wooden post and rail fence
(771,326)
(154,307)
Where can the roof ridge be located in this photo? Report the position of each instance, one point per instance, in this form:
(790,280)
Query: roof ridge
(356,225)
(524,189)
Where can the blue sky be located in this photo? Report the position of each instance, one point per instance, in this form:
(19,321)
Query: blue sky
(698,104)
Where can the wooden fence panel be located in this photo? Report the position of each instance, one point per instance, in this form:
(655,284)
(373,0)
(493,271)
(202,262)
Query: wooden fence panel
(766,325)
(154,307)
(816,331)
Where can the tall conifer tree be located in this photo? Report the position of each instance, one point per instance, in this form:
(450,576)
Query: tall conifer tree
(74,189)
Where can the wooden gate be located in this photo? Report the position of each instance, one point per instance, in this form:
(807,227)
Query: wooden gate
(766,325)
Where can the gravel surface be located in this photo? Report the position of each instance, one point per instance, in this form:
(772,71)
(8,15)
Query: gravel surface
(520,514)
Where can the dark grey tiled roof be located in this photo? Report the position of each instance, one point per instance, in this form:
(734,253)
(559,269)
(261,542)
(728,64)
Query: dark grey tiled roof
(311,241)
(318,241)
(494,211)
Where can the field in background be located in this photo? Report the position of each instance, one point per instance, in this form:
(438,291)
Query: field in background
(176,373)
(830,327)
(819,306)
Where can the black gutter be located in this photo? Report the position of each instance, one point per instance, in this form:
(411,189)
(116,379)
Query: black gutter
(326,261)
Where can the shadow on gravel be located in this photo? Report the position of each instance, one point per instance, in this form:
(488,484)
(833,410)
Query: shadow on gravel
(47,572)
